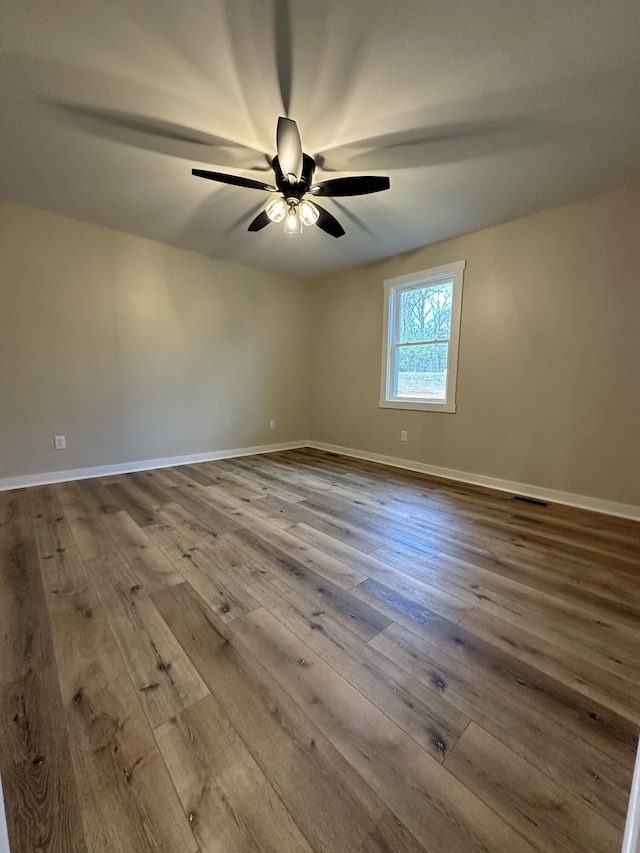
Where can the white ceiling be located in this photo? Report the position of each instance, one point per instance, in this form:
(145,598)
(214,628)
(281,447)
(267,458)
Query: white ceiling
(478,112)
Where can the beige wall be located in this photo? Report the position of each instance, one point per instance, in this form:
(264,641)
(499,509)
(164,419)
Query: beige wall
(135,350)
(549,372)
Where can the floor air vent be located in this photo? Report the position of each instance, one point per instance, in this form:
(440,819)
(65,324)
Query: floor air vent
(530,500)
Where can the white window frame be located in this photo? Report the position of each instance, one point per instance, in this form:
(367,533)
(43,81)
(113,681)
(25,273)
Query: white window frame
(393,287)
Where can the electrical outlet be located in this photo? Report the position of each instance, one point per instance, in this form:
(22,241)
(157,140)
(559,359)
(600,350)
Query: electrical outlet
(403,435)
(59,442)
(272,424)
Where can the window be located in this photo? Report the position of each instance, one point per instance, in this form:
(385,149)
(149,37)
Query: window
(420,339)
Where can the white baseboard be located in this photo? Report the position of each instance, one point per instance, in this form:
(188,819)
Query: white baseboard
(551,495)
(50,477)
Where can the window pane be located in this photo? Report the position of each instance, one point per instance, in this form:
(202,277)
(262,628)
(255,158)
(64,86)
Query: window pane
(421,371)
(425,314)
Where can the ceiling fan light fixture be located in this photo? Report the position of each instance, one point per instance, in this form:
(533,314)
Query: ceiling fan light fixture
(308,212)
(277,210)
(292,221)
(293,172)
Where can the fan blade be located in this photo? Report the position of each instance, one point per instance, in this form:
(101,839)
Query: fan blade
(327,222)
(235,180)
(360,185)
(289,148)
(260,222)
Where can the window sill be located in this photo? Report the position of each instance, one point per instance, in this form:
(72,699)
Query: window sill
(417,406)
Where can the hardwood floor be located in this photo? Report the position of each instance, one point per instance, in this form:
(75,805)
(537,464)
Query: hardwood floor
(302,652)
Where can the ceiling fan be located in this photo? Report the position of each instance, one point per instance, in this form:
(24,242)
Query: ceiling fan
(293,170)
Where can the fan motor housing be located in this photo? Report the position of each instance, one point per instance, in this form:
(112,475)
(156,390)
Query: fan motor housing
(299,189)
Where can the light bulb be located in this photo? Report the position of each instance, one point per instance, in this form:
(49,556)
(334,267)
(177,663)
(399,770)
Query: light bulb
(276,210)
(292,223)
(309,213)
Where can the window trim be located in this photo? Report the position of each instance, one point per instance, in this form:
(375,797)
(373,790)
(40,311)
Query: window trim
(414,281)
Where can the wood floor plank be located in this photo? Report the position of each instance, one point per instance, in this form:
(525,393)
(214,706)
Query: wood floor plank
(339,530)
(42,806)
(237,475)
(451,538)
(197,473)
(128,802)
(280,542)
(163,675)
(440,812)
(363,473)
(232,808)
(430,721)
(592,681)
(362,499)
(88,534)
(391,836)
(153,487)
(176,543)
(370,565)
(323,472)
(60,562)
(540,809)
(149,567)
(335,509)
(199,502)
(99,498)
(333,808)
(591,720)
(601,640)
(358,616)
(545,735)
(298,481)
(14,505)
(334,656)
(155,478)
(242,512)
(180,519)
(219,589)
(396,606)
(234,484)
(592,577)
(566,521)
(223,553)
(605,604)
(140,503)
(624,554)
(503,529)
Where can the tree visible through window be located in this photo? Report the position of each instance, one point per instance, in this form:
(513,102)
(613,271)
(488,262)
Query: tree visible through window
(423,341)
(421,337)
